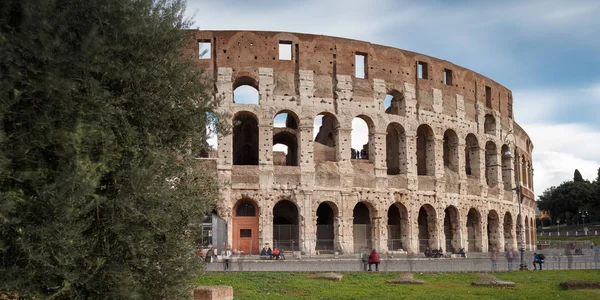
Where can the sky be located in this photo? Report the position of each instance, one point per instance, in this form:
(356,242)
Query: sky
(546,51)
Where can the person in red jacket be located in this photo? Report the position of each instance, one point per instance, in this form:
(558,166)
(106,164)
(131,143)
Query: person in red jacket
(374,259)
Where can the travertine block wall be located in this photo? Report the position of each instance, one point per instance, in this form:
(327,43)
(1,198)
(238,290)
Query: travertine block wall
(320,79)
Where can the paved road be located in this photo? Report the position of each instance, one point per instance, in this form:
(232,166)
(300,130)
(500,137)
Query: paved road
(352,264)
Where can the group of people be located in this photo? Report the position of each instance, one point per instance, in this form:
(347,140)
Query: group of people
(272,254)
(362,154)
(369,259)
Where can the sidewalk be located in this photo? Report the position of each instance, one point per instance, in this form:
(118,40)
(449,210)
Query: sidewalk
(479,263)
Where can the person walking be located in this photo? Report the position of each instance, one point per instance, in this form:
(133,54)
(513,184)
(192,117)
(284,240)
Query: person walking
(509,258)
(374,259)
(226,258)
(569,255)
(538,259)
(364,257)
(494,258)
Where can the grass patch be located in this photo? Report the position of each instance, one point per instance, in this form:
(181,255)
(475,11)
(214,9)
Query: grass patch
(372,285)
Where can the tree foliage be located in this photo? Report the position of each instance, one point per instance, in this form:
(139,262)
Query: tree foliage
(570,198)
(99,105)
(577,176)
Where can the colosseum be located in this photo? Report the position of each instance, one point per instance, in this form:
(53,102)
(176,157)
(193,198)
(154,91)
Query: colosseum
(443,164)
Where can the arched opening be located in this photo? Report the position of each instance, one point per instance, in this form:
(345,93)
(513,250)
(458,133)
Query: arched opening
(245,91)
(474,231)
(245,139)
(394,103)
(451,150)
(509,240)
(325,136)
(397,227)
(326,214)
(452,229)
(489,125)
(245,226)
(285,226)
(362,138)
(425,151)
(395,141)
(361,227)
(506,169)
(427,228)
(491,164)
(472,156)
(493,231)
(285,139)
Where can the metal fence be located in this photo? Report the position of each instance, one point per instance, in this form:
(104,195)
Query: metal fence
(393,263)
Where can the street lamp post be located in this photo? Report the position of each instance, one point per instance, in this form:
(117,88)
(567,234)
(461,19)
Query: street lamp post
(509,155)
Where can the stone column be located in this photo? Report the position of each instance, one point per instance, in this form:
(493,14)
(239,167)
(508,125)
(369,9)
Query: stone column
(378,157)
(308,223)
(307,161)
(265,154)
(266,85)
(411,158)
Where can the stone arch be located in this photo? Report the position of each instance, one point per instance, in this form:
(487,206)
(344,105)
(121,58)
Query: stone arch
(364,150)
(245,226)
(327,224)
(245,139)
(394,103)
(362,229)
(452,229)
(493,231)
(450,152)
(397,227)
(474,233)
(489,124)
(427,222)
(472,155)
(285,139)
(326,138)
(491,164)
(506,168)
(509,240)
(245,90)
(286,225)
(425,151)
(395,141)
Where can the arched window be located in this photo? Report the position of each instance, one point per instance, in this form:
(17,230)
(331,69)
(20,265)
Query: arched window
(245,139)
(361,138)
(245,91)
(394,103)
(425,151)
(472,156)
(489,125)
(325,136)
(395,141)
(285,139)
(245,209)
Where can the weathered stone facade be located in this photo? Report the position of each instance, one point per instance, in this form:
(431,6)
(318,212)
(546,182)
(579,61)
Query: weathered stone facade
(436,174)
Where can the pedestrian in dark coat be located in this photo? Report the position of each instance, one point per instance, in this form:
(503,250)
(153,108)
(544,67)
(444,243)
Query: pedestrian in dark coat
(374,259)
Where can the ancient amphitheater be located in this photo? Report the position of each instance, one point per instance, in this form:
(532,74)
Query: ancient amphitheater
(434,171)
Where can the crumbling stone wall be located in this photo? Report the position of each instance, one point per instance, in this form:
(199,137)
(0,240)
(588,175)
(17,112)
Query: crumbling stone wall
(320,79)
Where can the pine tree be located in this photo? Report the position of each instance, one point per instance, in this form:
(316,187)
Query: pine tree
(99,104)
(577,176)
